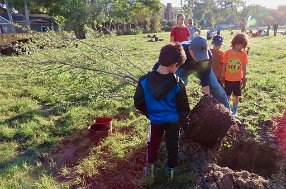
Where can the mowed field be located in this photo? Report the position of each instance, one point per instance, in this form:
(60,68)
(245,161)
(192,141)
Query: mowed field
(49,98)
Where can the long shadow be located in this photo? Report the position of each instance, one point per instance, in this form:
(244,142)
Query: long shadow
(30,154)
(70,152)
(46,111)
(124,173)
(67,153)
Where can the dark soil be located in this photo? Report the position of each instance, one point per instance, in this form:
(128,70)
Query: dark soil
(222,153)
(237,160)
(210,121)
(251,156)
(280,133)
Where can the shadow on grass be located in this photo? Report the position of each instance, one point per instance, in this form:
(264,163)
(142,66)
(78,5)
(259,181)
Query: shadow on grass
(127,172)
(27,152)
(45,111)
(122,174)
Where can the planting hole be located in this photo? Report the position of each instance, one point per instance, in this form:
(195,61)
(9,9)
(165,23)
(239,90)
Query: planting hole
(251,156)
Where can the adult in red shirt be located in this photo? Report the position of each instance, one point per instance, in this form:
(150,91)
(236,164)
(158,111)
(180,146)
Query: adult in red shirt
(180,32)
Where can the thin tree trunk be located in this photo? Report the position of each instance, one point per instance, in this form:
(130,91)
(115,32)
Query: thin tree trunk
(110,25)
(27,16)
(10,15)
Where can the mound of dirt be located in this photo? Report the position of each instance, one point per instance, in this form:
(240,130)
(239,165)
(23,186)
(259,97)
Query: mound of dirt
(280,133)
(239,159)
(217,177)
(210,121)
(250,155)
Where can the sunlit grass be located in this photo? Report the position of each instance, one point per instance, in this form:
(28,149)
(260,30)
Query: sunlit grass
(40,110)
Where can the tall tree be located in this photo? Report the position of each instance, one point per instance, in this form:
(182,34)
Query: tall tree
(10,15)
(27,16)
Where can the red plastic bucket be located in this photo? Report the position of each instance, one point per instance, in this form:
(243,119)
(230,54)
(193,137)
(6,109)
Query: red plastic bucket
(106,120)
(101,127)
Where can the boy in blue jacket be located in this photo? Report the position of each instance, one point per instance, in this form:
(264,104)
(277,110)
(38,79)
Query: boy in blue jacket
(161,96)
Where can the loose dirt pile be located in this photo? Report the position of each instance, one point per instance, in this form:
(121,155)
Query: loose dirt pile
(210,121)
(239,159)
(280,133)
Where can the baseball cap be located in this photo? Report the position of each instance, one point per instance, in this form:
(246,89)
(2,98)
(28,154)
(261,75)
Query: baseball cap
(217,40)
(200,48)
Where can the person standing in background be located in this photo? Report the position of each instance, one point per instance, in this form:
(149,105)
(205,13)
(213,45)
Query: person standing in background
(275,27)
(193,29)
(218,29)
(180,32)
(217,56)
(268,29)
(233,76)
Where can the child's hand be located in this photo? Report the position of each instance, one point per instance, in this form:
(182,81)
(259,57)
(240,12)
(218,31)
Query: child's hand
(222,81)
(243,83)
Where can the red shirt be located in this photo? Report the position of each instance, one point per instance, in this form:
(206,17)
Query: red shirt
(180,34)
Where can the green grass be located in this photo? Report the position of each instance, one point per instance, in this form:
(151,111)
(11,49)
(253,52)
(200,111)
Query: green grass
(44,113)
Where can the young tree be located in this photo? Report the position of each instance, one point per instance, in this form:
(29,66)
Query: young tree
(10,15)
(27,16)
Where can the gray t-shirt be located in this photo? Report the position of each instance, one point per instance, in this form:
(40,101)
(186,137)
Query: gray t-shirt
(193,30)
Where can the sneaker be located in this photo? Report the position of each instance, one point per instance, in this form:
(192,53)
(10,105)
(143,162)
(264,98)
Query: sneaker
(234,110)
(234,114)
(169,172)
(148,171)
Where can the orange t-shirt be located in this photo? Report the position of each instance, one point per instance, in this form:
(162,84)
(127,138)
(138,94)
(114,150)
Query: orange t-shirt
(234,63)
(217,57)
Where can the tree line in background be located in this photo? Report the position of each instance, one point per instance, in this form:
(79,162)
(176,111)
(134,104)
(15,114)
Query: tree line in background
(235,12)
(145,15)
(111,14)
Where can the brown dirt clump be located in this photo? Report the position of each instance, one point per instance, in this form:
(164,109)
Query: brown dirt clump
(239,159)
(251,156)
(280,132)
(210,121)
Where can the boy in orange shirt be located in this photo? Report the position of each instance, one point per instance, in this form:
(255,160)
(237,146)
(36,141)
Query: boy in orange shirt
(233,74)
(217,56)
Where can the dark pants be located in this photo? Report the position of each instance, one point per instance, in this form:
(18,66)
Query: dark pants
(171,131)
(232,87)
(275,32)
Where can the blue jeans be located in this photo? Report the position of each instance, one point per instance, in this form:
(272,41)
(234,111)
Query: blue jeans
(210,80)
(183,74)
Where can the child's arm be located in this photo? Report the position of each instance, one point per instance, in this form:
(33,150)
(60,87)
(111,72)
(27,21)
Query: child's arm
(222,78)
(243,80)
(221,65)
(223,68)
(198,30)
(139,100)
(244,70)
(172,35)
(183,106)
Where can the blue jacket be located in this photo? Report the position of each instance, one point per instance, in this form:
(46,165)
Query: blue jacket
(162,98)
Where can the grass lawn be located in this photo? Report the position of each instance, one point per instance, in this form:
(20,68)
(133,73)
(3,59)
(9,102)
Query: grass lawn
(46,106)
